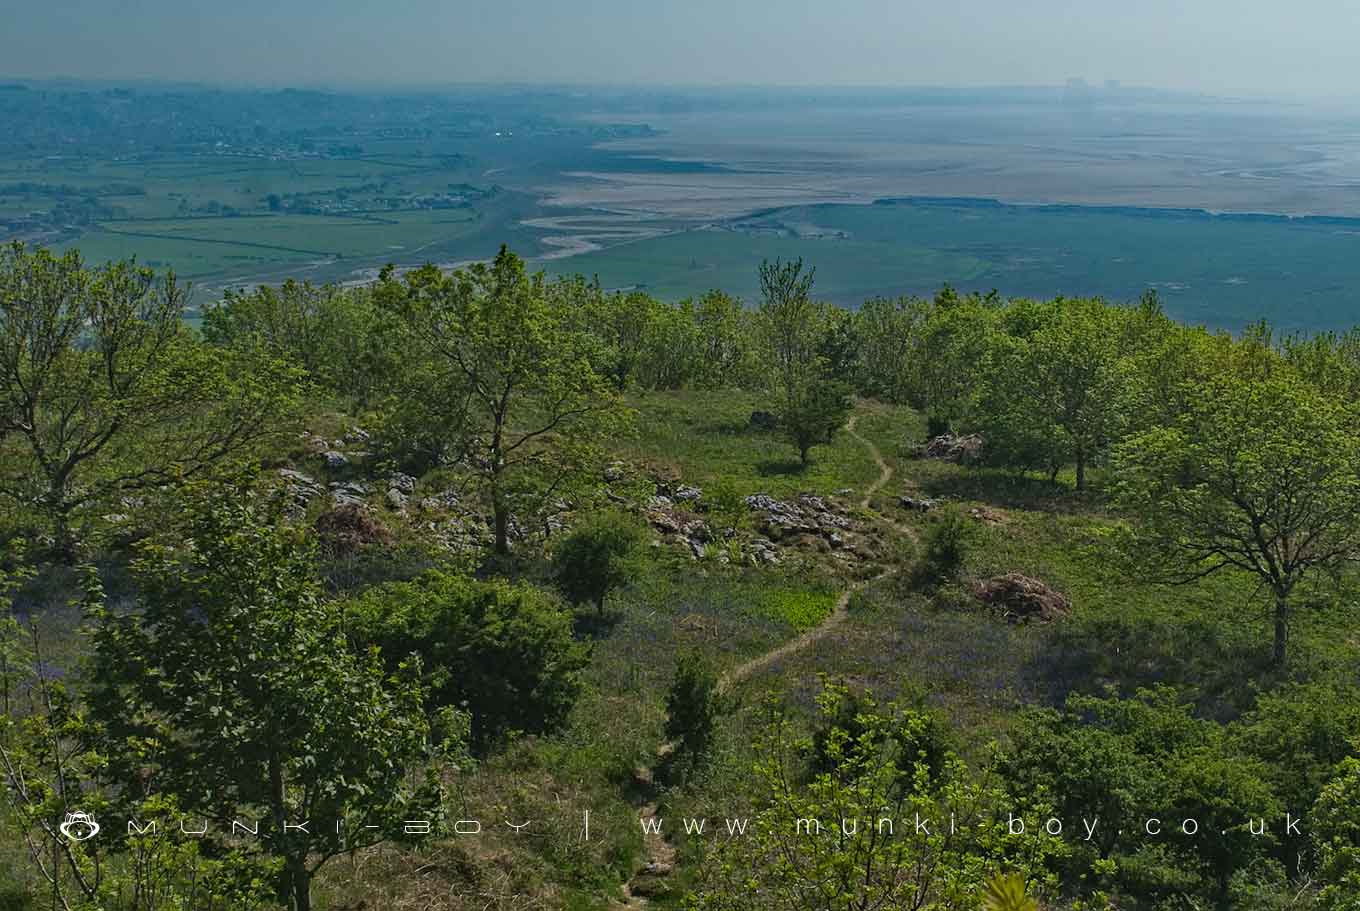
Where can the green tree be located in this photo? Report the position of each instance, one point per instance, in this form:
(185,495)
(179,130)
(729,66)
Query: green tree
(790,326)
(888,333)
(502,652)
(339,336)
(851,838)
(53,764)
(104,393)
(1058,392)
(627,323)
(812,403)
(946,546)
(1107,759)
(949,355)
(532,401)
(1336,836)
(600,554)
(1259,476)
(231,688)
(693,706)
(671,352)
(725,344)
(814,416)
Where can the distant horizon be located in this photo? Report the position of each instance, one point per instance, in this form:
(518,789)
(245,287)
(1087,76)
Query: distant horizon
(1096,87)
(1244,49)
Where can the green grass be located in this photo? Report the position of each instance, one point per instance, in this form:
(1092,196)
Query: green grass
(705,438)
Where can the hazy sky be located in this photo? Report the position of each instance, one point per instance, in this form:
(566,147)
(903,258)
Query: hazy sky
(1305,47)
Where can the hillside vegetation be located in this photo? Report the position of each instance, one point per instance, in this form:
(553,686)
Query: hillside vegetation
(488,590)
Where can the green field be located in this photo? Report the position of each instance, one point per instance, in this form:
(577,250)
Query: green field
(1222,272)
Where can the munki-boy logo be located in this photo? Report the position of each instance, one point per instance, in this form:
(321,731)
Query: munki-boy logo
(79,826)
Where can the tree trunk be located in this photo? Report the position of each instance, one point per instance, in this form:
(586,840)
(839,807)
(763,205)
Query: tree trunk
(502,515)
(1081,470)
(1281,629)
(302,886)
(60,512)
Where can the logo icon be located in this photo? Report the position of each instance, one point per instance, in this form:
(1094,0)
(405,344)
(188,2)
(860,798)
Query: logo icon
(79,826)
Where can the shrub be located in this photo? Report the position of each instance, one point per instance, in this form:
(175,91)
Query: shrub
(1336,836)
(693,706)
(597,557)
(945,548)
(921,740)
(504,652)
(936,426)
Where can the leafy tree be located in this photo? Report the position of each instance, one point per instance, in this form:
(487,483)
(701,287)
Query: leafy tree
(946,547)
(725,342)
(1111,759)
(598,556)
(790,325)
(814,416)
(849,839)
(888,333)
(627,321)
(812,403)
(53,765)
(1059,392)
(502,652)
(693,706)
(1259,476)
(1336,834)
(337,335)
(949,355)
(103,393)
(1301,732)
(231,688)
(671,354)
(532,402)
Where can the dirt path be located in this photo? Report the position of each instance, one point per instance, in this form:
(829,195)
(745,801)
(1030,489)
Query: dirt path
(839,612)
(659,851)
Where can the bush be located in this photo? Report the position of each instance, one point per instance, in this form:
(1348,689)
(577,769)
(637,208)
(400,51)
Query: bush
(504,652)
(921,740)
(936,426)
(693,706)
(945,548)
(814,416)
(1336,836)
(597,557)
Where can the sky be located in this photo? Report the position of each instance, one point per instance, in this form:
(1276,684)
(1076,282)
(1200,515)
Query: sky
(1304,48)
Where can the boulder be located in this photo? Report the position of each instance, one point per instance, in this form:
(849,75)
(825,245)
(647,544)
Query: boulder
(949,447)
(1021,599)
(402,482)
(918,504)
(764,552)
(301,488)
(348,493)
(396,499)
(687,494)
(335,460)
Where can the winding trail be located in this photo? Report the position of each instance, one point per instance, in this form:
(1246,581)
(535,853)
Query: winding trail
(659,851)
(840,611)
